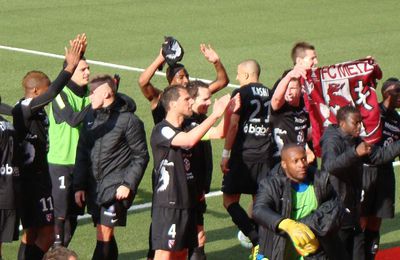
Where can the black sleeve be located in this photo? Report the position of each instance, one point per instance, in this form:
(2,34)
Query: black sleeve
(63,111)
(326,218)
(5,109)
(382,155)
(334,160)
(136,138)
(264,210)
(55,88)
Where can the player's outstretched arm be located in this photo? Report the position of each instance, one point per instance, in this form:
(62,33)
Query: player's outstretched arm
(72,57)
(149,91)
(222,79)
(278,99)
(189,139)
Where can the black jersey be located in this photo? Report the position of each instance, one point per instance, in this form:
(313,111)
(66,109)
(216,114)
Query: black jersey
(31,124)
(158,113)
(9,171)
(289,125)
(32,137)
(202,161)
(390,121)
(174,184)
(254,137)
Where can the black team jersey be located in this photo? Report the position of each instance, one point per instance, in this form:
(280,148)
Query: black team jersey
(174,184)
(31,125)
(202,162)
(289,125)
(9,171)
(390,129)
(158,113)
(253,140)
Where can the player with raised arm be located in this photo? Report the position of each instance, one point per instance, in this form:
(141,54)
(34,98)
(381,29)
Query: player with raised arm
(31,124)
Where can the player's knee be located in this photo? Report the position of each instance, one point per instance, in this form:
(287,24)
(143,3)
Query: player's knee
(201,237)
(104,233)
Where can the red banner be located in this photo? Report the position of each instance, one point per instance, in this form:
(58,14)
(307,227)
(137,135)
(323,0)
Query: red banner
(331,87)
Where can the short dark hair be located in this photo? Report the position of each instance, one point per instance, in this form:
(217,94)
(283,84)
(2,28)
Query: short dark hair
(172,70)
(389,82)
(299,50)
(344,112)
(170,93)
(193,87)
(65,61)
(101,79)
(59,253)
(35,79)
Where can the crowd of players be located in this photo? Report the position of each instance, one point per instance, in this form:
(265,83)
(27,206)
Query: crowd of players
(91,151)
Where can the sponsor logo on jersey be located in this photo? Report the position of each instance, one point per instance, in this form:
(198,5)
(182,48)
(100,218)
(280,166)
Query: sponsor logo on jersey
(257,130)
(9,170)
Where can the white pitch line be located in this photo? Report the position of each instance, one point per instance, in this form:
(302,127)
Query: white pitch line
(95,62)
(148,204)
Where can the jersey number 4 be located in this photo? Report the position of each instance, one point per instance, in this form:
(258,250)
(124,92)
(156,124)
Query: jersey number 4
(172,231)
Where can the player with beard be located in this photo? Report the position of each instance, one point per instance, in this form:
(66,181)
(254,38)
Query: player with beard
(65,117)
(247,154)
(289,119)
(31,125)
(379,182)
(9,179)
(177,75)
(174,193)
(343,154)
(201,160)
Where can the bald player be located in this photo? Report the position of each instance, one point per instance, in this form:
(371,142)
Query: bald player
(246,157)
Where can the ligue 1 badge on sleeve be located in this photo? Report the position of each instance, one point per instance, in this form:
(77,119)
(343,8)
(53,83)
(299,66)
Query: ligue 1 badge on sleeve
(171,243)
(49,217)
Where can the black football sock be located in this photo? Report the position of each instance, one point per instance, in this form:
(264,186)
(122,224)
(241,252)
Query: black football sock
(113,248)
(197,253)
(33,252)
(242,220)
(58,232)
(102,251)
(371,243)
(69,229)
(21,251)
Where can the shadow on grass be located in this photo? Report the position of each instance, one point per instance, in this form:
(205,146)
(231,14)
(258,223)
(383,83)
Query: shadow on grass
(389,226)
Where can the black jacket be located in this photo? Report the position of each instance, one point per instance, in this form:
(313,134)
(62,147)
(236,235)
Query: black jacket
(273,203)
(345,167)
(112,151)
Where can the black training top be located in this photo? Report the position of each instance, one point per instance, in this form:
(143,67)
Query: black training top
(254,137)
(31,125)
(9,171)
(289,125)
(174,184)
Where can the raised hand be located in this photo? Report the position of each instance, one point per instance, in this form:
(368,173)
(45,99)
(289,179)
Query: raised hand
(234,103)
(209,53)
(73,55)
(220,105)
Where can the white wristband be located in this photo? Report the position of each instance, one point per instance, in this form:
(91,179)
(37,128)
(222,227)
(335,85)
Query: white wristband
(226,153)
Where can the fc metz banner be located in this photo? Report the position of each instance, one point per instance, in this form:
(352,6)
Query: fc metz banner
(332,87)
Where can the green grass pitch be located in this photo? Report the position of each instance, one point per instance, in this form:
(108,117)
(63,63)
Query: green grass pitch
(130,32)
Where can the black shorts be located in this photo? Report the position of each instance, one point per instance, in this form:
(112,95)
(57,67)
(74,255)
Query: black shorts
(243,177)
(379,187)
(63,195)
(9,224)
(37,207)
(111,216)
(173,229)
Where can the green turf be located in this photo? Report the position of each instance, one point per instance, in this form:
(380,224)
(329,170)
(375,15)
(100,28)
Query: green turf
(129,33)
